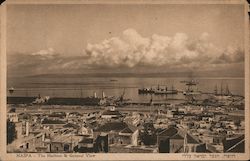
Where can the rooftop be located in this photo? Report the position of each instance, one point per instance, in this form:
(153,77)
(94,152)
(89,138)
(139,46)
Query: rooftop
(58,114)
(87,140)
(130,129)
(171,131)
(66,138)
(112,126)
(192,140)
(48,121)
(75,113)
(109,112)
(235,145)
(177,136)
(75,126)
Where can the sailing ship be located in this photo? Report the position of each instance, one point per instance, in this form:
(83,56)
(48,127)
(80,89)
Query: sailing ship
(191,88)
(223,93)
(191,93)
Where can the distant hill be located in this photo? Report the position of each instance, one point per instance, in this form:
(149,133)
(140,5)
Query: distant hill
(147,75)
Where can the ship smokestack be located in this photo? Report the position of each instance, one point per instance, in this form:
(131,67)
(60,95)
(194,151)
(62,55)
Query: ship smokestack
(103,95)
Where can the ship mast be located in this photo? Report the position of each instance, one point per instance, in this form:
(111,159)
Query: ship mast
(81,93)
(215,90)
(227,90)
(221,90)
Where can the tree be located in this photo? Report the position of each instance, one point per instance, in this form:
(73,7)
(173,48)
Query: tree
(148,136)
(237,122)
(11,131)
(12,110)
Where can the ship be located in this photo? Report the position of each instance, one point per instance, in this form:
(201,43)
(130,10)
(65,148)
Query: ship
(46,100)
(191,93)
(223,93)
(158,91)
(162,91)
(11,90)
(190,88)
(91,101)
(113,80)
(146,91)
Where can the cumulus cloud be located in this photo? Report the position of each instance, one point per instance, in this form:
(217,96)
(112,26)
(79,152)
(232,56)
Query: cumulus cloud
(132,49)
(45,54)
(44,61)
(230,55)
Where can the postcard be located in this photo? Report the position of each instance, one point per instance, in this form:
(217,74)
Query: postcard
(124,80)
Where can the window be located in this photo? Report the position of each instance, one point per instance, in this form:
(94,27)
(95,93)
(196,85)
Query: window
(66,147)
(193,149)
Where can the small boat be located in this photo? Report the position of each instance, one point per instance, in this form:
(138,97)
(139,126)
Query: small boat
(113,80)
(11,90)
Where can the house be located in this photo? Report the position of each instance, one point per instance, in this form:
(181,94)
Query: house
(170,114)
(219,139)
(30,143)
(86,145)
(191,144)
(86,131)
(204,124)
(118,133)
(73,116)
(176,140)
(207,138)
(186,124)
(101,143)
(24,116)
(53,124)
(129,136)
(12,116)
(176,144)
(161,123)
(111,114)
(71,126)
(64,143)
(57,115)
(133,120)
(234,145)
(19,130)
(163,139)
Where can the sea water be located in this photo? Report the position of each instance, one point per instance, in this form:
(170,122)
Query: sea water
(112,86)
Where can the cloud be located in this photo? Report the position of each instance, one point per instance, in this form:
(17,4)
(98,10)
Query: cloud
(132,52)
(230,55)
(132,49)
(45,54)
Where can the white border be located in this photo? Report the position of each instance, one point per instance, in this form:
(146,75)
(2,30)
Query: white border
(121,156)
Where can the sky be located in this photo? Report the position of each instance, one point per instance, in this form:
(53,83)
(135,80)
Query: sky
(123,38)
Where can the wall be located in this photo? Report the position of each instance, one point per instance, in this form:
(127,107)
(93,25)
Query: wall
(176,144)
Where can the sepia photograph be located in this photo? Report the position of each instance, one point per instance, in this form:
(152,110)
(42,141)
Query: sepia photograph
(133,77)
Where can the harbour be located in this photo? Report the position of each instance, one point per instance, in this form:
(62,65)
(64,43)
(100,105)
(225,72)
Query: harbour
(136,77)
